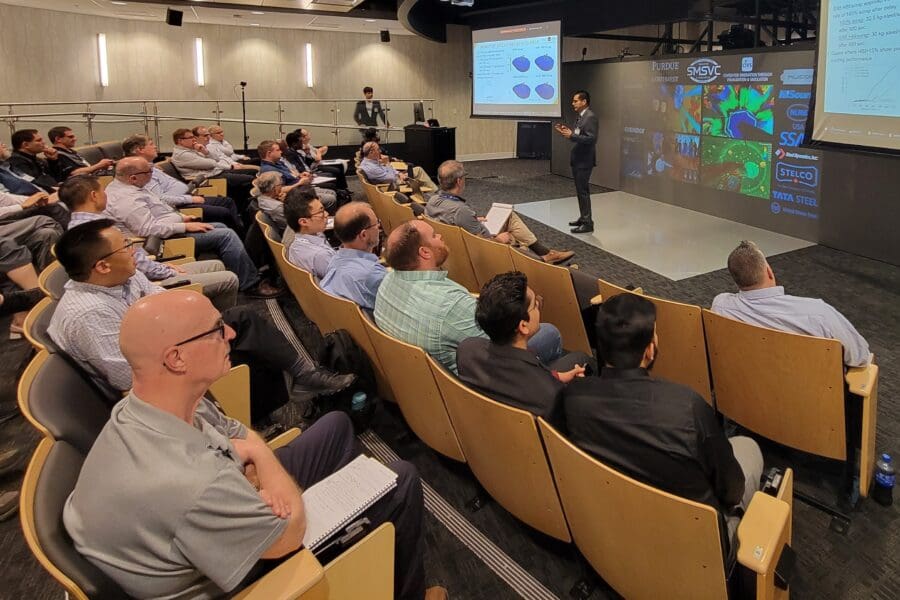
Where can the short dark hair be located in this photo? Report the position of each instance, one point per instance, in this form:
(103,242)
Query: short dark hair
(80,247)
(296,205)
(349,229)
(583,95)
(57,132)
(368,89)
(292,139)
(22,136)
(74,191)
(370,135)
(402,251)
(265,147)
(133,143)
(502,305)
(179,133)
(625,326)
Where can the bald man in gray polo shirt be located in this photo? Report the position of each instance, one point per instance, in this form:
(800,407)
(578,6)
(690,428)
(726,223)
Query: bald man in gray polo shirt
(177,501)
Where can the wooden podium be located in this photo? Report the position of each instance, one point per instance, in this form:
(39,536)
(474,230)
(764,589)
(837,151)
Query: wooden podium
(428,147)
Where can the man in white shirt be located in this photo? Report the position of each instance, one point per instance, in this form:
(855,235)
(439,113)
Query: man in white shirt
(192,159)
(306,215)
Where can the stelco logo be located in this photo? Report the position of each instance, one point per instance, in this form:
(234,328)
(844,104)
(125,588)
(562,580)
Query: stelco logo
(704,70)
(803,175)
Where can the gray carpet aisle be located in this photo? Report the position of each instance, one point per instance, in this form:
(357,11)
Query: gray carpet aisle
(863,564)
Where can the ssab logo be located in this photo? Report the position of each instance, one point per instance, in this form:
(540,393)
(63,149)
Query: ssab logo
(704,70)
(798,174)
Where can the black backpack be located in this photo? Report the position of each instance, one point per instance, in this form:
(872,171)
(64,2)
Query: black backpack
(341,354)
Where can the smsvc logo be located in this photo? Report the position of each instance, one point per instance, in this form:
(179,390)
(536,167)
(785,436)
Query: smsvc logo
(798,174)
(704,70)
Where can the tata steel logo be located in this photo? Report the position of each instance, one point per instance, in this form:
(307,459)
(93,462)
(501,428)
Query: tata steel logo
(798,174)
(704,70)
(797,112)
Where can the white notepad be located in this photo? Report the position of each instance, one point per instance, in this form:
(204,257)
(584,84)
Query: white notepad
(342,496)
(497,217)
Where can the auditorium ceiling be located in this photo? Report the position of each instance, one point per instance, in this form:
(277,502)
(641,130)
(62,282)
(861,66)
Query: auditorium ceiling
(352,16)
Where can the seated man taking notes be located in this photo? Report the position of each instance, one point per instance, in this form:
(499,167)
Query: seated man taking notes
(226,499)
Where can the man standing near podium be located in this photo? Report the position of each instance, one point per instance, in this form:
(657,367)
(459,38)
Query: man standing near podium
(583,158)
(367,111)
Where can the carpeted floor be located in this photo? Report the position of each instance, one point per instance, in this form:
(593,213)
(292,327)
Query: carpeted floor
(863,564)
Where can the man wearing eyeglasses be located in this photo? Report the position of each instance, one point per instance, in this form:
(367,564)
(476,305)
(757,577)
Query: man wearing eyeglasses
(502,367)
(199,498)
(355,273)
(105,282)
(305,214)
(193,161)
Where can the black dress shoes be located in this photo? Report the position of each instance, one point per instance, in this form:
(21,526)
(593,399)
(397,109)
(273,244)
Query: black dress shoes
(583,228)
(576,222)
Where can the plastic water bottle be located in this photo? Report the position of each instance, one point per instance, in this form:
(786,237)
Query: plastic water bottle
(885,477)
(361,411)
(359,403)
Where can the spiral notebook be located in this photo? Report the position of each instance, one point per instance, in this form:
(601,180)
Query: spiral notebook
(342,496)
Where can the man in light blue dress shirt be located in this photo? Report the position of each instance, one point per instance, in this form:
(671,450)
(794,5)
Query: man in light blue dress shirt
(354,272)
(305,214)
(761,302)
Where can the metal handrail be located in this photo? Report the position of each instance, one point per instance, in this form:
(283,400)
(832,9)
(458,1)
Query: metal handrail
(149,115)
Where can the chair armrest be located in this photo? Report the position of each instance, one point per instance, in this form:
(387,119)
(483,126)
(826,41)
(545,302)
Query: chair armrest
(294,577)
(185,246)
(597,300)
(192,211)
(213,187)
(861,380)
(762,533)
(284,439)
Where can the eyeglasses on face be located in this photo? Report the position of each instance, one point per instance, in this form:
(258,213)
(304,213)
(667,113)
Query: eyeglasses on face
(220,328)
(187,137)
(128,244)
(147,172)
(312,215)
(377,223)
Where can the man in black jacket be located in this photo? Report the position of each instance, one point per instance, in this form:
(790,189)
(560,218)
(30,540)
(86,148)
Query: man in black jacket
(661,433)
(27,144)
(583,157)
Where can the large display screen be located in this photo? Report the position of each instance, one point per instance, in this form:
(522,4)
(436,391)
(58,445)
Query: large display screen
(732,123)
(515,71)
(858,83)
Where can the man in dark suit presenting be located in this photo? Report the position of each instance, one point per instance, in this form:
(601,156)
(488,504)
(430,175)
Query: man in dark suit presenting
(368,110)
(583,158)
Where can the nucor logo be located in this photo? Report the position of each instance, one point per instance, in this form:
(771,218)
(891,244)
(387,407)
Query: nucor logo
(704,70)
(788,173)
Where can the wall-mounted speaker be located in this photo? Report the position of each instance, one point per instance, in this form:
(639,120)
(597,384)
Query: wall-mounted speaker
(385,35)
(173,17)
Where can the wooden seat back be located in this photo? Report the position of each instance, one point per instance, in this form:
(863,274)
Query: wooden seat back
(397,213)
(785,386)
(458,264)
(52,280)
(644,542)
(682,341)
(305,290)
(37,322)
(488,257)
(416,392)
(504,450)
(560,302)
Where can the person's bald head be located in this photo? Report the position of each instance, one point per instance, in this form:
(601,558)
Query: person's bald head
(175,334)
(356,226)
(415,246)
(371,150)
(133,170)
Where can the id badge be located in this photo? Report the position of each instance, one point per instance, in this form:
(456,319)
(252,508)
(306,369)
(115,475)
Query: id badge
(578,131)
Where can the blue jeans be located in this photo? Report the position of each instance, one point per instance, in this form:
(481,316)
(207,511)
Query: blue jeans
(546,343)
(228,247)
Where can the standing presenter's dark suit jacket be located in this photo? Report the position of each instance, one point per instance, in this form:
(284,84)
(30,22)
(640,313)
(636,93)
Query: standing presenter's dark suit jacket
(584,153)
(363,117)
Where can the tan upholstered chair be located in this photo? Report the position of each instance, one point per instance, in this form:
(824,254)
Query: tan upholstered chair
(504,450)
(560,302)
(681,338)
(790,388)
(650,544)
(416,392)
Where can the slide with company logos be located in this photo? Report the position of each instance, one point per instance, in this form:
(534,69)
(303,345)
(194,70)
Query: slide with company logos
(515,71)
(858,83)
(732,125)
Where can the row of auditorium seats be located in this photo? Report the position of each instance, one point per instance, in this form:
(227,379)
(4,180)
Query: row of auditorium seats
(62,402)
(625,529)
